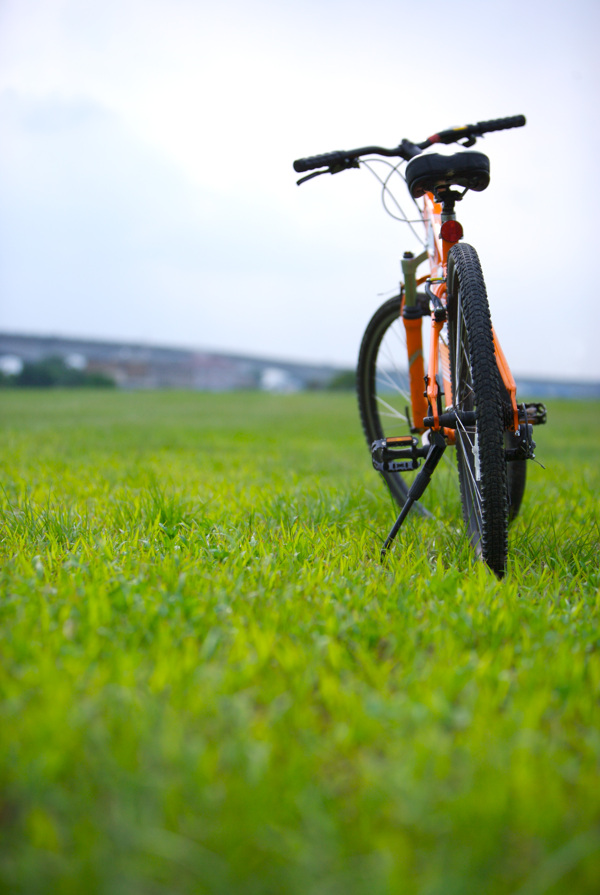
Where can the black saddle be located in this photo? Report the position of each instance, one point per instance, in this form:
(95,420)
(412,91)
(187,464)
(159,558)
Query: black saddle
(434,172)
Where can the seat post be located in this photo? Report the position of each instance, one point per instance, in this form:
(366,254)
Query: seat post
(448,198)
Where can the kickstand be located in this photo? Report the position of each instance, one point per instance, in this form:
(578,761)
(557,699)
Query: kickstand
(437,447)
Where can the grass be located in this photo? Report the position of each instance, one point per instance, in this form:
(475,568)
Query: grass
(210,684)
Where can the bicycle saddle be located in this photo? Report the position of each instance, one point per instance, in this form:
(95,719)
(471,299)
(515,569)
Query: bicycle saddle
(429,173)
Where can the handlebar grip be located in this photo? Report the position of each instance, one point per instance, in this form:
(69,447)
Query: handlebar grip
(319,161)
(475,130)
(500,124)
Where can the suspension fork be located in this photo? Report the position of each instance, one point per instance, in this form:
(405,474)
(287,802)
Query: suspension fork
(425,401)
(412,317)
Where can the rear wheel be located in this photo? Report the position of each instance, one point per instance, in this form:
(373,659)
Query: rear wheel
(476,387)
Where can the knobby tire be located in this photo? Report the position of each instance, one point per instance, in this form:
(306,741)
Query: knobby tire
(476,386)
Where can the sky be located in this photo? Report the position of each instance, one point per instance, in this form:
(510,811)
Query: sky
(147,191)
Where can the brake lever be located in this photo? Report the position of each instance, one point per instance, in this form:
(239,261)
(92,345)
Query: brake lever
(310,176)
(332,169)
(470,141)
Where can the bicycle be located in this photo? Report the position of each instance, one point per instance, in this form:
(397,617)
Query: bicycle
(466,397)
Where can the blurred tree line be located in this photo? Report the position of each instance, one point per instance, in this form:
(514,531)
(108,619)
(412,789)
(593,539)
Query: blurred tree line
(343,381)
(53,372)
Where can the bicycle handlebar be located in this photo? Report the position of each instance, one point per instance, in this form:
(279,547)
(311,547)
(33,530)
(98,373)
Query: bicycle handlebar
(341,159)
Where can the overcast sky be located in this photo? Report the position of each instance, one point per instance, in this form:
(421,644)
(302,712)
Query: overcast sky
(147,192)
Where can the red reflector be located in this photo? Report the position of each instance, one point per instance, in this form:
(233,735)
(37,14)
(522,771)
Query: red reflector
(451,231)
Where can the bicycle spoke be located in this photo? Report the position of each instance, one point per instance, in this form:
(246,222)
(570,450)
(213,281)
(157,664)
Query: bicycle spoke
(465,435)
(457,353)
(476,505)
(474,484)
(384,377)
(393,413)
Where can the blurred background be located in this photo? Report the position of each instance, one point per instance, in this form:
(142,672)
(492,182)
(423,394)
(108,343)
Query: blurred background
(147,192)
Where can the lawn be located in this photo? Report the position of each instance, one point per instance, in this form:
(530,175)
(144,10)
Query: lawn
(210,684)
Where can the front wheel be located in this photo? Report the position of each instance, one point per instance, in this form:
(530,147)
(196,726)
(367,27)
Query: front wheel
(476,387)
(383,386)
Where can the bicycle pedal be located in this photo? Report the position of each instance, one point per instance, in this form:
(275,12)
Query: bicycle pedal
(398,453)
(400,441)
(535,414)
